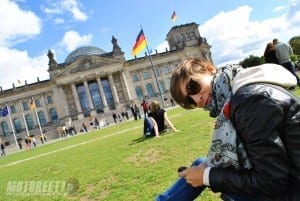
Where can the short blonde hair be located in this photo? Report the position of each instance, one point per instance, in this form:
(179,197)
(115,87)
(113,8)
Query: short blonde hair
(154,106)
(187,68)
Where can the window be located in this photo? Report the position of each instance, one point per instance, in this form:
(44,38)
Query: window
(4,128)
(149,88)
(29,122)
(53,114)
(17,125)
(1,112)
(157,71)
(168,83)
(146,75)
(49,100)
(108,93)
(135,77)
(161,86)
(83,99)
(37,102)
(139,92)
(167,70)
(96,98)
(42,118)
(25,106)
(13,109)
(187,36)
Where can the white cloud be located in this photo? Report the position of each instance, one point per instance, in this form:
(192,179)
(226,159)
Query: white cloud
(17,65)
(18,26)
(61,6)
(234,36)
(73,7)
(72,40)
(59,20)
(279,8)
(162,47)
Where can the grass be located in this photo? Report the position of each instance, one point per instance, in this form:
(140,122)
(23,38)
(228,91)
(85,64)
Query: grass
(114,163)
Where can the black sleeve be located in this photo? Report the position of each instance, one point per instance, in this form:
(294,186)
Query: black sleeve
(258,120)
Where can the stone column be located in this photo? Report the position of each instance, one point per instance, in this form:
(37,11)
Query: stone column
(113,89)
(102,94)
(125,84)
(78,106)
(89,97)
(88,94)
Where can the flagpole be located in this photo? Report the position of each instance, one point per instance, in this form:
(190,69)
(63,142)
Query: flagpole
(12,126)
(149,55)
(24,119)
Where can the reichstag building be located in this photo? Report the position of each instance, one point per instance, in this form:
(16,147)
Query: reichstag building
(92,82)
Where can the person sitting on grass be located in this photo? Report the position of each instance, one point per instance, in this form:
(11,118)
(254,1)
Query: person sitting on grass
(255,148)
(154,124)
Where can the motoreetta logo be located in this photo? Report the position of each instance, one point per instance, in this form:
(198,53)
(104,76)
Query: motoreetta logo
(42,188)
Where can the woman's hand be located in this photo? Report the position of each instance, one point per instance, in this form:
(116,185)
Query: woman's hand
(194,175)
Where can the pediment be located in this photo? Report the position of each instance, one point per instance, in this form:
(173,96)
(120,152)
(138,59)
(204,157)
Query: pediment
(86,63)
(90,62)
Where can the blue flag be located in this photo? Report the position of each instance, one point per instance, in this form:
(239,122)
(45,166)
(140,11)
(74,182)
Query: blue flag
(5,111)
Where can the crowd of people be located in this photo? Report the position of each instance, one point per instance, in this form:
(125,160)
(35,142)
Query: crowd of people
(30,141)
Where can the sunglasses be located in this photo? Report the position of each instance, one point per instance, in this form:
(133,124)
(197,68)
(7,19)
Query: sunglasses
(191,88)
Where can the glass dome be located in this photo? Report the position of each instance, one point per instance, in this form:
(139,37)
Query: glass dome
(81,51)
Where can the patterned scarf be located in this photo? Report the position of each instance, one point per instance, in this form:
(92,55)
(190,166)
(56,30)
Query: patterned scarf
(226,148)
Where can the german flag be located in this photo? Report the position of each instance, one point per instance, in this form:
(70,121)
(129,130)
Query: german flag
(140,43)
(174,16)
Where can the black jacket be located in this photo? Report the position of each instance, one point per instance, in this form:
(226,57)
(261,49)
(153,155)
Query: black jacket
(267,120)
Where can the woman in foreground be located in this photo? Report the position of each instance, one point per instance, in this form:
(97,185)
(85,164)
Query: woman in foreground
(255,150)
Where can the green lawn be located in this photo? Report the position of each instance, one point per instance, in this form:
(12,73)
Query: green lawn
(114,163)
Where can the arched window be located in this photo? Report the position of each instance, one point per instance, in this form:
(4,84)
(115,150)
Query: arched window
(29,122)
(4,128)
(139,93)
(53,114)
(149,90)
(42,118)
(17,125)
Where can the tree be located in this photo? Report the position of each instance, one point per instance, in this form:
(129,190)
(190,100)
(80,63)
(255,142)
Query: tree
(295,44)
(252,61)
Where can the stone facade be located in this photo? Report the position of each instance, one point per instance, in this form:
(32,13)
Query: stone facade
(95,83)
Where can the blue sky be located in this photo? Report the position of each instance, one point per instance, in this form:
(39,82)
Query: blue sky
(234,28)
